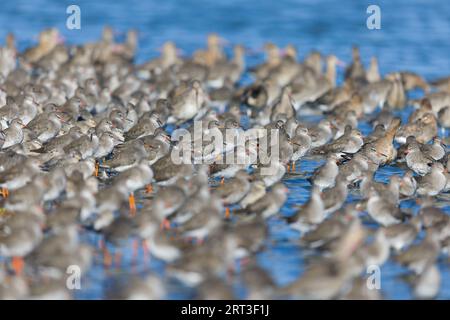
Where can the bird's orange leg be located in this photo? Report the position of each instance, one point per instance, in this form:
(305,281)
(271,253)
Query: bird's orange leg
(165,224)
(227,213)
(146,250)
(132,203)
(107,259)
(18,264)
(96,168)
(135,248)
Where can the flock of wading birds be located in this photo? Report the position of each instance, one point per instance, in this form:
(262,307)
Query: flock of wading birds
(84,130)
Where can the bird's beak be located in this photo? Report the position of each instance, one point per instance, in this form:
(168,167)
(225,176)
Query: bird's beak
(60,39)
(341,63)
(60,118)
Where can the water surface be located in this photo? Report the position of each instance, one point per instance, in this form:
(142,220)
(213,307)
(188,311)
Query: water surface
(414,36)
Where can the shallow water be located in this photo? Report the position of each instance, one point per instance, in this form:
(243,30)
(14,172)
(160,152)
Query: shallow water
(414,35)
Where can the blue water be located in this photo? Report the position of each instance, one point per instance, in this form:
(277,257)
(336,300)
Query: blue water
(414,36)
